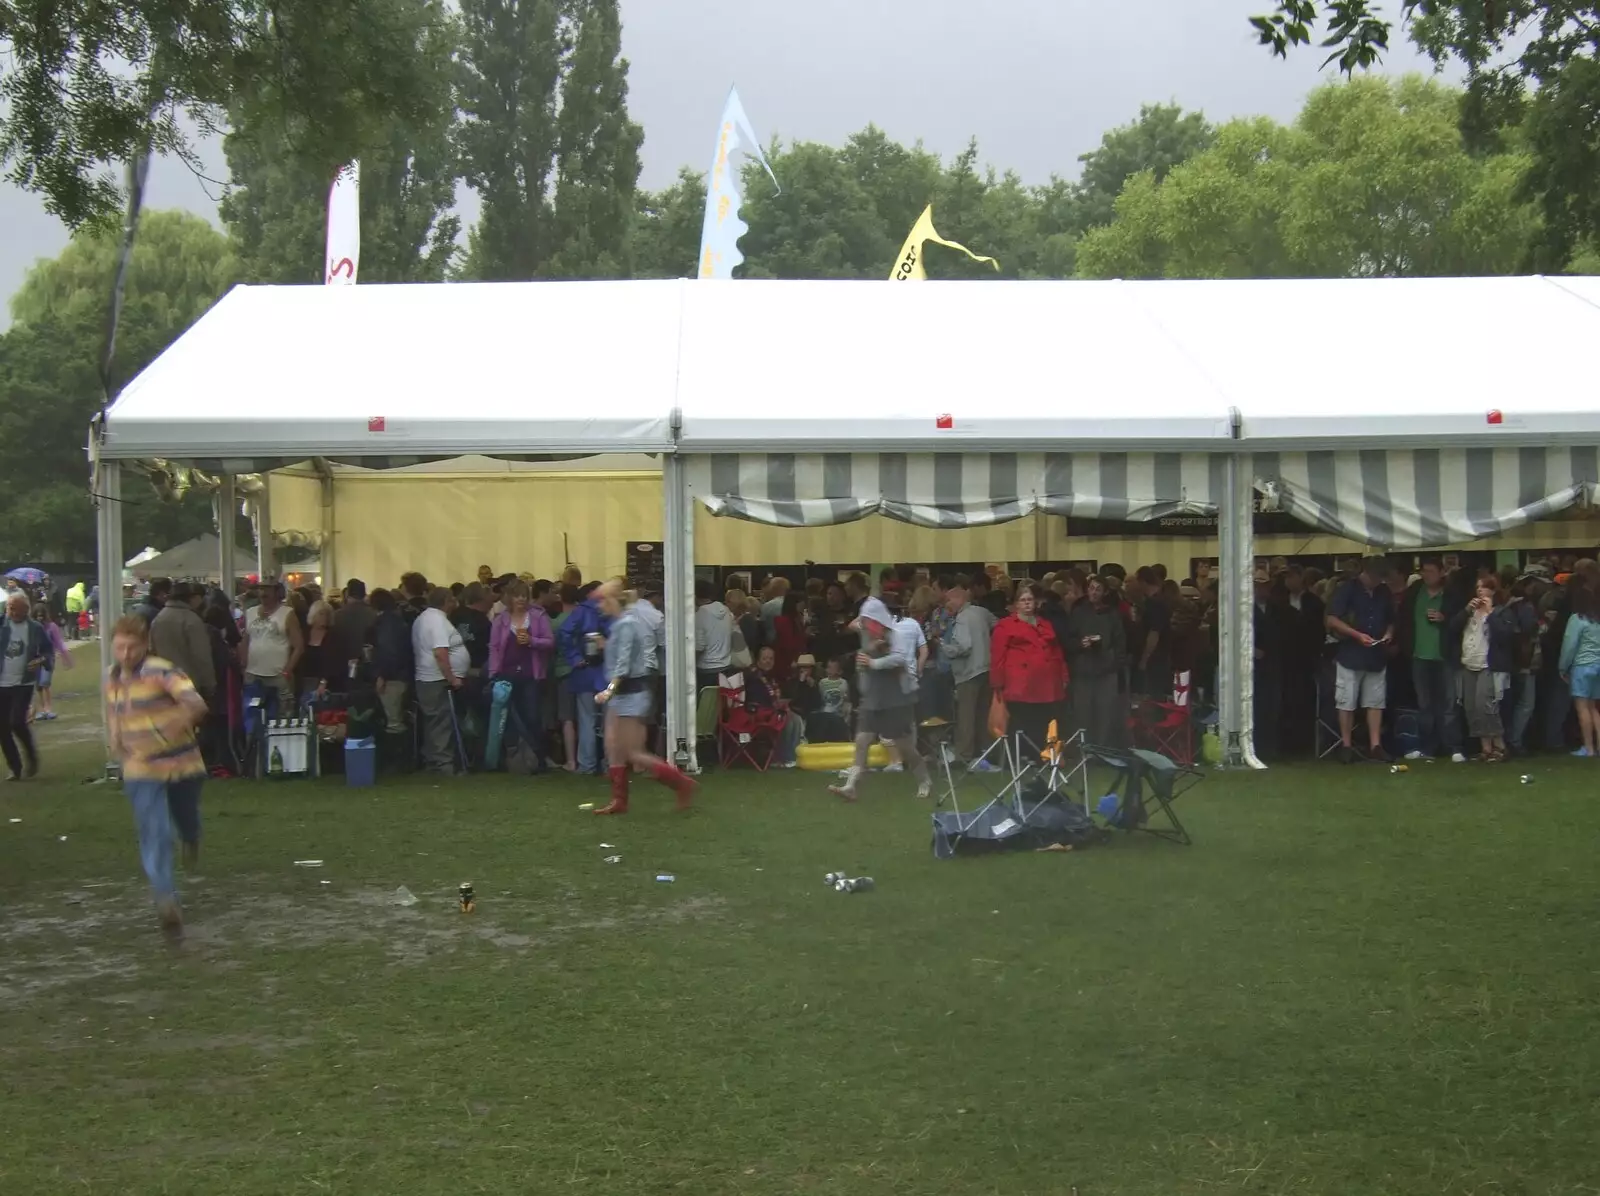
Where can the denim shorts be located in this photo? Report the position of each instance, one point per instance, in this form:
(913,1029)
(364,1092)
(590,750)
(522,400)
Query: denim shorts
(1586,681)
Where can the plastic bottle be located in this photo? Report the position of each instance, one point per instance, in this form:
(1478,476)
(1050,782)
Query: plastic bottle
(469,902)
(275,762)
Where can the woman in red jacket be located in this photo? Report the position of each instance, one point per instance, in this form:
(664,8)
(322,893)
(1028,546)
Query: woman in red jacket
(1027,670)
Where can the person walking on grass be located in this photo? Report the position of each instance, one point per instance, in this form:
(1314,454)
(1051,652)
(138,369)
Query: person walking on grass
(152,712)
(1579,667)
(626,700)
(886,677)
(62,659)
(25,650)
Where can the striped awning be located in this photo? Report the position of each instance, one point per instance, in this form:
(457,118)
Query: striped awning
(1424,498)
(951,490)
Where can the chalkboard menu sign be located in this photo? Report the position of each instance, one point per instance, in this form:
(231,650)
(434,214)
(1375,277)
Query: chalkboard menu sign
(647,566)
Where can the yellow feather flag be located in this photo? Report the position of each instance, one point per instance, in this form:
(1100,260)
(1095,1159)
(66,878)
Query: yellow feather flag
(909,266)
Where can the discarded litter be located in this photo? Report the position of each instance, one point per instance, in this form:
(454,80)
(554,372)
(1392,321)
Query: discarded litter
(16,820)
(612,859)
(607,846)
(588,805)
(404,896)
(63,838)
(469,900)
(1526,779)
(1399,768)
(860,884)
(324,882)
(308,863)
(665,878)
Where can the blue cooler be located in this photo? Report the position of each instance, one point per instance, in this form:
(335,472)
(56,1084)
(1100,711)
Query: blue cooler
(360,762)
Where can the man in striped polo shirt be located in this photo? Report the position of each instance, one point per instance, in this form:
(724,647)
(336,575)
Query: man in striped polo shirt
(152,711)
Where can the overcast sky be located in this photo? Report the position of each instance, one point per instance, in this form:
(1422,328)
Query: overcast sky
(1036,81)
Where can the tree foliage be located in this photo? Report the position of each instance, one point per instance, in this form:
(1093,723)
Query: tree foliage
(86,84)
(1538,53)
(275,207)
(1372,180)
(545,139)
(50,384)
(1164,136)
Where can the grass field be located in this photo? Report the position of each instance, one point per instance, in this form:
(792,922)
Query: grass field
(1353,982)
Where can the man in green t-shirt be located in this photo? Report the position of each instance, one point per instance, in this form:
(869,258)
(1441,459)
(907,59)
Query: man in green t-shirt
(1424,622)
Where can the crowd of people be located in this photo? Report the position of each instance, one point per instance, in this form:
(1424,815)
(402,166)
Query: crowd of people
(1425,664)
(1419,663)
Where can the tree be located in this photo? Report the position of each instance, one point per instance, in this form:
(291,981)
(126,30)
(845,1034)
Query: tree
(1164,136)
(50,385)
(1509,48)
(1372,180)
(597,150)
(545,138)
(275,208)
(90,83)
(666,228)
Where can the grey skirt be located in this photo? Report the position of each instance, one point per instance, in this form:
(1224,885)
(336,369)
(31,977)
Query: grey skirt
(1480,698)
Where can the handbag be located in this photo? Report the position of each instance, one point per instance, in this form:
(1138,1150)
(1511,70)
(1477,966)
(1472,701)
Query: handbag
(999,719)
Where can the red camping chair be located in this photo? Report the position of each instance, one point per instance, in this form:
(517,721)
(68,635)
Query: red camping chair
(1164,727)
(747,733)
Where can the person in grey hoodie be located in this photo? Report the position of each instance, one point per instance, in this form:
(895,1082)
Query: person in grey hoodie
(966,646)
(1097,651)
(886,676)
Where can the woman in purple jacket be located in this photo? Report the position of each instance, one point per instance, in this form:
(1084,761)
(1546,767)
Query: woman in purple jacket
(520,643)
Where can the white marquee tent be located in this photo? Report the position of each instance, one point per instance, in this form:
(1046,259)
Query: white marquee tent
(1405,412)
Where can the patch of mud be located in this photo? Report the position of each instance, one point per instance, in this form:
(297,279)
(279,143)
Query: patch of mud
(100,936)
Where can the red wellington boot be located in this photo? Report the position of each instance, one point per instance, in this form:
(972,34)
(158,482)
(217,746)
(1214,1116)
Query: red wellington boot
(677,781)
(619,793)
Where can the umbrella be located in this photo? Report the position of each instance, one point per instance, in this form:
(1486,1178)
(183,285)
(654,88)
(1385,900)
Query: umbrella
(28,575)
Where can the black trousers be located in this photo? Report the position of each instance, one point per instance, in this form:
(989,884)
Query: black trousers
(14,729)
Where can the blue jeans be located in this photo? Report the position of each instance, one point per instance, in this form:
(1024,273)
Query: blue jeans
(1440,729)
(587,715)
(1518,709)
(158,807)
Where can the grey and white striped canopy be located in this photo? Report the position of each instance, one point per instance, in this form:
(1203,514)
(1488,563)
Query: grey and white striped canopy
(951,490)
(1423,498)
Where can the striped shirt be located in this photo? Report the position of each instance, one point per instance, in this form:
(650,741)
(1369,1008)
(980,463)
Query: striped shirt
(147,715)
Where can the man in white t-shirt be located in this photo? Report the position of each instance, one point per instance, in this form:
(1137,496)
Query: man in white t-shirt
(442,662)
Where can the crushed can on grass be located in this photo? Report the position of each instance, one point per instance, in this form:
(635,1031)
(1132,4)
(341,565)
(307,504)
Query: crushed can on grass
(665,878)
(1525,779)
(469,901)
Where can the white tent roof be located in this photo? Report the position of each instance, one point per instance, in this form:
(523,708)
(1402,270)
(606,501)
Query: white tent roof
(820,366)
(461,368)
(1348,363)
(753,366)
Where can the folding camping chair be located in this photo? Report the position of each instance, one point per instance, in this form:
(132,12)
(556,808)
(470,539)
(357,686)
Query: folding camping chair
(1144,779)
(747,733)
(1165,727)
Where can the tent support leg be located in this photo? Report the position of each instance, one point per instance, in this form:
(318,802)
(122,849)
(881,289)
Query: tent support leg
(266,557)
(227,523)
(1236,611)
(678,549)
(109,558)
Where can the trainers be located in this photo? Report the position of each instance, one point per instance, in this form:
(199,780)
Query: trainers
(982,766)
(1457,758)
(1377,754)
(897,766)
(1416,754)
(924,791)
(1582,753)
